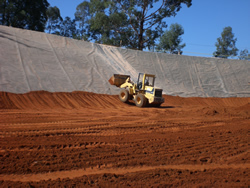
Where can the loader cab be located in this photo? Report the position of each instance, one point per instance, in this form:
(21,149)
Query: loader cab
(145,80)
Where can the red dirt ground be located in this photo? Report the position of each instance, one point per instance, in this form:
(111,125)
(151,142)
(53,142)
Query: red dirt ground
(83,139)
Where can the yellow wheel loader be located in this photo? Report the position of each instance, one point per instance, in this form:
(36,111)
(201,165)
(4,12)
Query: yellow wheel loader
(142,92)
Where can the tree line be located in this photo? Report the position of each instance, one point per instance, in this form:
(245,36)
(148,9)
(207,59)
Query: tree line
(127,23)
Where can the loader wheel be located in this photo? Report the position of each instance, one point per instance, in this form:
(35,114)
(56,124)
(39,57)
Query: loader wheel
(140,100)
(124,96)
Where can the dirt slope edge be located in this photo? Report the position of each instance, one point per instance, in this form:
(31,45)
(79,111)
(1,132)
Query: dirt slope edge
(80,99)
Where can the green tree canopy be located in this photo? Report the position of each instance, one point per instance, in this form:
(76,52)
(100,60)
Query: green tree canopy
(133,24)
(171,40)
(82,16)
(244,55)
(68,28)
(225,45)
(54,19)
(25,14)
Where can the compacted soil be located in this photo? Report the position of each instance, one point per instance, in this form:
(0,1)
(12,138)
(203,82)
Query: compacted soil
(83,139)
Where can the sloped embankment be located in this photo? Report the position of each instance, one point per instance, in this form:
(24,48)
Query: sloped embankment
(34,61)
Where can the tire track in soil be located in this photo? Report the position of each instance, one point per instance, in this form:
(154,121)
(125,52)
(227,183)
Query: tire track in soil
(106,129)
(71,174)
(69,135)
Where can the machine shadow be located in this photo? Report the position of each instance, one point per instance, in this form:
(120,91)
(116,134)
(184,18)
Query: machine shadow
(150,106)
(165,107)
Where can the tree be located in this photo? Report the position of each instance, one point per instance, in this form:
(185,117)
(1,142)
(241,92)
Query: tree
(25,14)
(225,45)
(147,17)
(68,28)
(82,17)
(133,24)
(54,19)
(171,40)
(3,12)
(9,12)
(244,55)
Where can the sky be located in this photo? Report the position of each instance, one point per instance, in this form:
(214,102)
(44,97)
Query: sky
(203,23)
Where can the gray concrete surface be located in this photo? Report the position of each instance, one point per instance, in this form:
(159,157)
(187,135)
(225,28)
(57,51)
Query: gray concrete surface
(31,61)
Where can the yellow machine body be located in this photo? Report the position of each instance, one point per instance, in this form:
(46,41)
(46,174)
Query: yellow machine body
(142,92)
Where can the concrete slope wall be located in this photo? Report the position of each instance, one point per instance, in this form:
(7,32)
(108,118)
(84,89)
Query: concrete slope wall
(31,61)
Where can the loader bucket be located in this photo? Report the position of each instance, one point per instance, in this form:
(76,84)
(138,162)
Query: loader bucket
(118,79)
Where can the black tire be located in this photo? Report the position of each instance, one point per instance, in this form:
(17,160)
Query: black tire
(140,100)
(124,96)
(147,103)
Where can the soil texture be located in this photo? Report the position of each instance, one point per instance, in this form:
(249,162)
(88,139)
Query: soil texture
(82,139)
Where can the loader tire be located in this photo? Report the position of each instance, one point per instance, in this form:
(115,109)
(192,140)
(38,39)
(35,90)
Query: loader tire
(124,96)
(140,100)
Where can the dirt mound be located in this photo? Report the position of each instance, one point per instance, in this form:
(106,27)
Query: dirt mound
(92,140)
(211,101)
(47,100)
(79,99)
